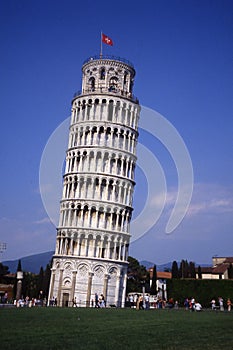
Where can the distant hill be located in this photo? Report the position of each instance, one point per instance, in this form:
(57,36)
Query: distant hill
(162,267)
(166,266)
(30,263)
(146,263)
(33,263)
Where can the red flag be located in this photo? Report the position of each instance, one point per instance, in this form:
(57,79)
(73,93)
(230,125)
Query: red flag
(107,40)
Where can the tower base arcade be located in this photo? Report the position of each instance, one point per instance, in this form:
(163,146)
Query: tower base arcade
(76,281)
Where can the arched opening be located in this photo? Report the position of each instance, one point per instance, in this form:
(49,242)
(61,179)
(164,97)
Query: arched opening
(110,110)
(102,73)
(91,84)
(125,77)
(103,189)
(113,84)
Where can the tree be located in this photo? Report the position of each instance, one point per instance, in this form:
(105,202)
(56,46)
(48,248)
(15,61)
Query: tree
(175,270)
(40,283)
(199,272)
(230,271)
(153,288)
(46,280)
(137,276)
(192,270)
(19,268)
(4,270)
(184,269)
(29,285)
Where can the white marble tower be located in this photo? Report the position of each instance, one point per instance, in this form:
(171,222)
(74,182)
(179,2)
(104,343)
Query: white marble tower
(96,207)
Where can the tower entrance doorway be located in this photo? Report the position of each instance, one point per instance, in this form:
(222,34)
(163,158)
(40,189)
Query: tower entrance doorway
(65,299)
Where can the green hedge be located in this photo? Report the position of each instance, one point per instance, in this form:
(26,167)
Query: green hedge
(202,290)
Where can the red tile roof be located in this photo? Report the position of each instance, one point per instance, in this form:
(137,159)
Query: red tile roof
(160,274)
(207,269)
(164,275)
(221,268)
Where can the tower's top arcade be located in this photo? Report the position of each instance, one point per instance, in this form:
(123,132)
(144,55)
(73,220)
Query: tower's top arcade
(108,74)
(109,57)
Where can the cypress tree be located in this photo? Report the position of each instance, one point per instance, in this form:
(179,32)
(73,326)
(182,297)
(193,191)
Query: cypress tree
(46,280)
(192,269)
(230,271)
(184,269)
(153,288)
(181,269)
(19,268)
(4,270)
(40,283)
(175,270)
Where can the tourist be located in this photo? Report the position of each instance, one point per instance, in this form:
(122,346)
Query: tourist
(131,301)
(192,304)
(96,300)
(102,301)
(135,300)
(147,301)
(220,300)
(197,307)
(140,302)
(5,298)
(213,304)
(74,301)
(229,304)
(171,303)
(186,304)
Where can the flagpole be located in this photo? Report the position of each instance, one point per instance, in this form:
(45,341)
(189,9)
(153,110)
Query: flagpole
(101,46)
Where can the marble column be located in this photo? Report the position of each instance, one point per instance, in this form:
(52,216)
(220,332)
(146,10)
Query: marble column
(89,285)
(59,293)
(105,289)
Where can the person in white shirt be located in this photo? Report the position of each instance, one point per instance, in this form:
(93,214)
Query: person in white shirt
(198,307)
(213,304)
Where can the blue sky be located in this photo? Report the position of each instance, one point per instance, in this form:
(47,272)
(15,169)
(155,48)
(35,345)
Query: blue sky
(183,54)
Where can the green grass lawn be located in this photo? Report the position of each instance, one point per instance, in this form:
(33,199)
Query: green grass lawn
(80,328)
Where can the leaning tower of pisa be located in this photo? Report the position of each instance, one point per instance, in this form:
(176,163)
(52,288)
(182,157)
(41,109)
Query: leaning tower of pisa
(93,234)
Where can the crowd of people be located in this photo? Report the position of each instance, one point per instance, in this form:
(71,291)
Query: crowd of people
(99,301)
(27,302)
(138,301)
(134,300)
(220,304)
(192,305)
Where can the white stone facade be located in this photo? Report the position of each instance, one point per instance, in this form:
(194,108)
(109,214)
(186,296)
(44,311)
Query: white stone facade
(96,206)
